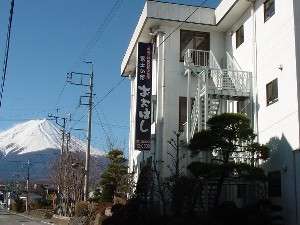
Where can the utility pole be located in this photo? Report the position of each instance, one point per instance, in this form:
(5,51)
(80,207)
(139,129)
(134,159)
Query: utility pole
(88,152)
(27,188)
(60,121)
(68,142)
(89,96)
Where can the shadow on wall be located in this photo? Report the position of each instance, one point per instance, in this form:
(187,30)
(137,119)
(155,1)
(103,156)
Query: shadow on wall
(284,160)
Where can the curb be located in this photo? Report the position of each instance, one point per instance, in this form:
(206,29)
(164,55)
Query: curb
(31,218)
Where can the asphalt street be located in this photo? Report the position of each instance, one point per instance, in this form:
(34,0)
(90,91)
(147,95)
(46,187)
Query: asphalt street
(7,218)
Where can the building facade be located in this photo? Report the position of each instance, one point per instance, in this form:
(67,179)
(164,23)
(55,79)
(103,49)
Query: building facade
(243,56)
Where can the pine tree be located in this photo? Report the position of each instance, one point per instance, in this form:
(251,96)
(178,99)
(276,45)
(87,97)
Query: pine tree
(115,179)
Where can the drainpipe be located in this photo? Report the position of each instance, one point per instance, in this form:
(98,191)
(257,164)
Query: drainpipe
(160,93)
(163,75)
(132,124)
(163,92)
(188,107)
(254,74)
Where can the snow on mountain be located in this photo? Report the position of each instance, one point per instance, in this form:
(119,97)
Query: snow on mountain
(37,135)
(38,141)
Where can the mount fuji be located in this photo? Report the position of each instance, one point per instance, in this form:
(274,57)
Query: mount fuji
(39,142)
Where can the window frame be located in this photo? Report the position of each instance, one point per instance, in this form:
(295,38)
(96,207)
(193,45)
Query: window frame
(267,14)
(239,36)
(272,92)
(182,112)
(193,33)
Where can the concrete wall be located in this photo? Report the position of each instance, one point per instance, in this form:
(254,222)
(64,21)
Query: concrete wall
(278,123)
(177,12)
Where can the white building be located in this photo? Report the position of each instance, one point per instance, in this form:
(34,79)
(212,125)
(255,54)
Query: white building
(249,52)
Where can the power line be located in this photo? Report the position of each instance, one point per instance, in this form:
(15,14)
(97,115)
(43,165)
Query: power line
(109,127)
(100,30)
(103,128)
(93,41)
(109,17)
(186,19)
(7,47)
(61,94)
(278,121)
(109,92)
(101,99)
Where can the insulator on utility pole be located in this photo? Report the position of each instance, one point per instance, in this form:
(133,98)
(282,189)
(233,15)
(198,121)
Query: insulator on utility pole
(62,125)
(89,96)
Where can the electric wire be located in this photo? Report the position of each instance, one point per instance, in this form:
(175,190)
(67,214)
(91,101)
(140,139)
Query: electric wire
(100,30)
(93,41)
(61,94)
(103,128)
(186,19)
(104,118)
(111,90)
(7,47)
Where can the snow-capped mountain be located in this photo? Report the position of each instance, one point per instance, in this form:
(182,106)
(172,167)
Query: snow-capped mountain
(38,141)
(36,135)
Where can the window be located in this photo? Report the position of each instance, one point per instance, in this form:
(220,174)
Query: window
(274,179)
(153,109)
(272,92)
(183,112)
(193,40)
(239,36)
(269,9)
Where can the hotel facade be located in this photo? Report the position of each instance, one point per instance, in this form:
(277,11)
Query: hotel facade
(241,57)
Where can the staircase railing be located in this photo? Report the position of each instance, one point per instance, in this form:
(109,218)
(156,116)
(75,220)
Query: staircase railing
(212,77)
(195,113)
(232,64)
(215,71)
(206,60)
(240,79)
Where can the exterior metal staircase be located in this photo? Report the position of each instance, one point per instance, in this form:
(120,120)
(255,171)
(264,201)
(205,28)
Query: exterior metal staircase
(213,86)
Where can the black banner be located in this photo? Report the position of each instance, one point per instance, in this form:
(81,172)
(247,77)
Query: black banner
(144,92)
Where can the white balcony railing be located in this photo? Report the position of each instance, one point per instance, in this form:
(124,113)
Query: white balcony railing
(232,78)
(194,57)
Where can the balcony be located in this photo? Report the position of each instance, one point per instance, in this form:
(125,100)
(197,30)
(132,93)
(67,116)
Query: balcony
(231,81)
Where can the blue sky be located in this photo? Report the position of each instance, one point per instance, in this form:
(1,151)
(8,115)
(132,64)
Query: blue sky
(48,38)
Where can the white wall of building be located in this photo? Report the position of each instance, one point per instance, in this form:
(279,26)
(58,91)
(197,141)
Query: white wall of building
(278,123)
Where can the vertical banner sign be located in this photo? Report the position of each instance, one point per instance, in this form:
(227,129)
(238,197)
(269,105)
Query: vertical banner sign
(144,92)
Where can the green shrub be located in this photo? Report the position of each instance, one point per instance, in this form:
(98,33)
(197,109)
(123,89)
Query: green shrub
(82,209)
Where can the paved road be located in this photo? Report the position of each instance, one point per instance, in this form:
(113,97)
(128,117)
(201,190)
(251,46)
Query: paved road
(11,219)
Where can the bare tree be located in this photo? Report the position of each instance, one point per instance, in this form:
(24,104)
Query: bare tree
(68,176)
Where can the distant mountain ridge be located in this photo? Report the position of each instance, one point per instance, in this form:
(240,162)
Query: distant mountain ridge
(38,141)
